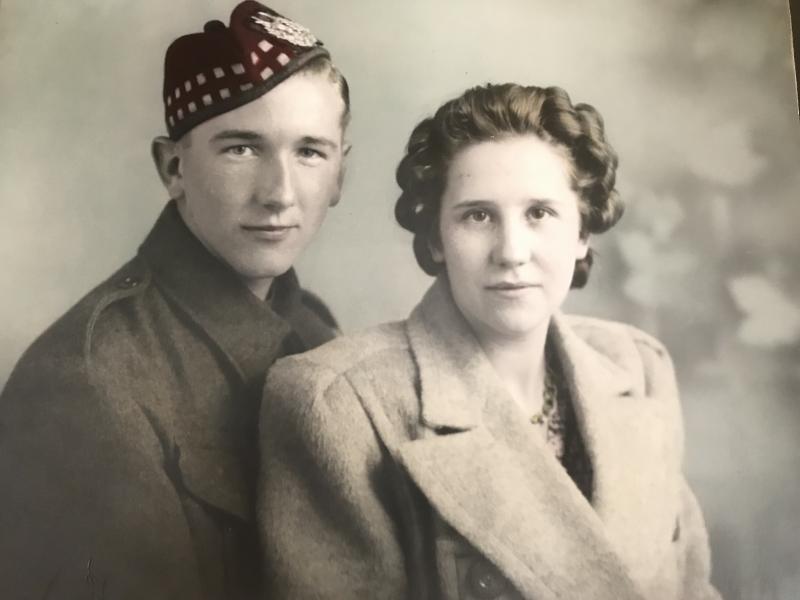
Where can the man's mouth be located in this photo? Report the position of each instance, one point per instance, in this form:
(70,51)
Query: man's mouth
(269,231)
(267,226)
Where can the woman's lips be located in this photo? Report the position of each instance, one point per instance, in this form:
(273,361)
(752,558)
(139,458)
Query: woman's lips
(511,289)
(510,285)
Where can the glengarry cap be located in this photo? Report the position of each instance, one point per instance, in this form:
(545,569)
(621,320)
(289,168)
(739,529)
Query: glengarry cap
(209,73)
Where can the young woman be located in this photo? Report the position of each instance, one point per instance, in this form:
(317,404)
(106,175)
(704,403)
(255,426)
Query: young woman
(488,446)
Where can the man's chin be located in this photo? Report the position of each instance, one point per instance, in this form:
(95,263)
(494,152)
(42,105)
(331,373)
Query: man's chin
(264,274)
(263,265)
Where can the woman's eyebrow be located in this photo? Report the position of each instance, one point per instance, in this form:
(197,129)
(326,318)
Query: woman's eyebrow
(473,203)
(484,203)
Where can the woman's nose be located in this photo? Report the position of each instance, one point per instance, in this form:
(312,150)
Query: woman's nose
(512,245)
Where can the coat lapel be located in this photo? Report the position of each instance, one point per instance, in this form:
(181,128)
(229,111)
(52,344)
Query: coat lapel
(493,479)
(627,437)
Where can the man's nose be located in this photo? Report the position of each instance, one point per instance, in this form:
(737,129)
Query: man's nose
(513,244)
(276,189)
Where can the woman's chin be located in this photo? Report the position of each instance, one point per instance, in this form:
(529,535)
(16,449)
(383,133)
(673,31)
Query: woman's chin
(514,325)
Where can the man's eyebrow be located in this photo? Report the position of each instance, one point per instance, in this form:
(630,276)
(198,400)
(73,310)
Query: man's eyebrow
(238,134)
(319,141)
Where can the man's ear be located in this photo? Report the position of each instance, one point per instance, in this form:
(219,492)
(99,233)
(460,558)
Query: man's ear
(340,178)
(166,156)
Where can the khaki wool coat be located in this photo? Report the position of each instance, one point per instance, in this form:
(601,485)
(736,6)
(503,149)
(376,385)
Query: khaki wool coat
(396,466)
(128,431)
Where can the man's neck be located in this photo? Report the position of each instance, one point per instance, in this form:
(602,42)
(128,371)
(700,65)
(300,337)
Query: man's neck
(260,287)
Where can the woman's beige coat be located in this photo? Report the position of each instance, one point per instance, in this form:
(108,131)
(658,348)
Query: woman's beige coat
(395,465)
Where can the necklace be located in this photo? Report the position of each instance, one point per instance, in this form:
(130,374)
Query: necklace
(549,395)
(550,415)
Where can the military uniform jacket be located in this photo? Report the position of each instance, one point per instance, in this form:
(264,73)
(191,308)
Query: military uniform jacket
(127,430)
(395,465)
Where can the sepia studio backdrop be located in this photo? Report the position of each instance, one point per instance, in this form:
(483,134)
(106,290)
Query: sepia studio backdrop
(698,99)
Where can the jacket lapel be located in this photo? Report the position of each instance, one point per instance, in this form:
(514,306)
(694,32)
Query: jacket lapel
(626,434)
(247,332)
(492,478)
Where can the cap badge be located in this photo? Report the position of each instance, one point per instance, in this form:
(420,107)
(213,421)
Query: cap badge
(285,29)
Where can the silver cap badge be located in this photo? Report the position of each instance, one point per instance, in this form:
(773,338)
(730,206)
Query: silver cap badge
(285,29)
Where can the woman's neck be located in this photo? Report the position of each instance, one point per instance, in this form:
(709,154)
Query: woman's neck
(520,363)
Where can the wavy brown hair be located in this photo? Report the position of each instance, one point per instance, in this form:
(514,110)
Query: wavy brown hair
(493,112)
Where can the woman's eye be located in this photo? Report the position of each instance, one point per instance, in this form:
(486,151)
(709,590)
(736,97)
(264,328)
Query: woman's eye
(538,213)
(477,216)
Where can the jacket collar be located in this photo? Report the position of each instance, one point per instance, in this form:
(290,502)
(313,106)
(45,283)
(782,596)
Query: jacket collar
(525,514)
(452,364)
(248,331)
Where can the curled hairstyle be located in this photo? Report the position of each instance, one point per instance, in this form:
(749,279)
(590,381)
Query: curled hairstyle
(493,112)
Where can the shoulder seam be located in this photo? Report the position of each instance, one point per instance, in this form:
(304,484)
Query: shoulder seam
(637,335)
(646,339)
(107,300)
(309,358)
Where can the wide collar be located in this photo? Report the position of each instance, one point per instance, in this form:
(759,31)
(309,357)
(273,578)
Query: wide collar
(499,485)
(453,365)
(247,330)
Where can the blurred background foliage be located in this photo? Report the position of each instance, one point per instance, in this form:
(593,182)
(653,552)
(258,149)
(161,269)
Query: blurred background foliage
(707,259)
(698,99)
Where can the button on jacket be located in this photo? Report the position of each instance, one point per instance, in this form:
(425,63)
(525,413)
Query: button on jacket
(395,465)
(127,430)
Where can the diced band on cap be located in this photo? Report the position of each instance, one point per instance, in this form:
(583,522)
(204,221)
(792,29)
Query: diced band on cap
(210,73)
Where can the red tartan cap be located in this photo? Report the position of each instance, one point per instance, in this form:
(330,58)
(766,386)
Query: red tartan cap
(209,73)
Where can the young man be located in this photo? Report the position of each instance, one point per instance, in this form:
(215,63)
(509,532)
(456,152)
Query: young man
(127,430)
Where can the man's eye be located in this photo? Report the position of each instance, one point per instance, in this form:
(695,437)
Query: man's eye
(311,153)
(240,150)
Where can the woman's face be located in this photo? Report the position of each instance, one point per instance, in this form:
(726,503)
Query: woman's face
(509,235)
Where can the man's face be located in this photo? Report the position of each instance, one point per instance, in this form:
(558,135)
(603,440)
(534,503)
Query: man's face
(257,181)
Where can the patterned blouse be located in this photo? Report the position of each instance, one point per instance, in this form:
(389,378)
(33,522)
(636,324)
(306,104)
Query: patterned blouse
(562,432)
